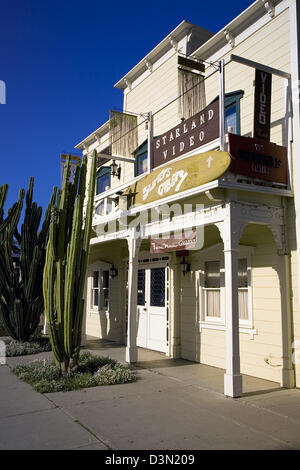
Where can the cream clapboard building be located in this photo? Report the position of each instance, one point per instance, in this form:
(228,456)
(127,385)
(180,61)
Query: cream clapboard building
(185,143)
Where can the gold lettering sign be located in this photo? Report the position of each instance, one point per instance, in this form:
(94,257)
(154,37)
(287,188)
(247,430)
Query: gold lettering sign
(174,178)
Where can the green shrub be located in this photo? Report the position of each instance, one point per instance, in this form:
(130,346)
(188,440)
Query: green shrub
(44,376)
(18,348)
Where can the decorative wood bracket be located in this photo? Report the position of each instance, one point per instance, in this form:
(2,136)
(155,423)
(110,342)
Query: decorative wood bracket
(268,4)
(229,38)
(128,83)
(173,43)
(149,65)
(98,139)
(231,232)
(279,237)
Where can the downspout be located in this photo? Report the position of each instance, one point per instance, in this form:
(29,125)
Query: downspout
(294,45)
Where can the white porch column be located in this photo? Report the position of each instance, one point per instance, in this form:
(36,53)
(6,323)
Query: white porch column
(231,231)
(131,349)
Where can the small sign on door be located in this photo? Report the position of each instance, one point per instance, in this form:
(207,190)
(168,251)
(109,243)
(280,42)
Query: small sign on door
(186,242)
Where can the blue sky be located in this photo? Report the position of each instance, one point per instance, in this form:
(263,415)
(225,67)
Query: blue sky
(60,60)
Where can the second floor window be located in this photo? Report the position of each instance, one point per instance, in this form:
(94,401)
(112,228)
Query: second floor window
(103,179)
(232,111)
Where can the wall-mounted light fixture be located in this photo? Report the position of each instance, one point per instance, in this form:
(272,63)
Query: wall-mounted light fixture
(113,168)
(185,266)
(113,272)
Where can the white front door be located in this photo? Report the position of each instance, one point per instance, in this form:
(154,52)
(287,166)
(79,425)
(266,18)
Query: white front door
(151,307)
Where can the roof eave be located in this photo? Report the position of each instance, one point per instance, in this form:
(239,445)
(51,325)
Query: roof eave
(255,10)
(184,25)
(92,136)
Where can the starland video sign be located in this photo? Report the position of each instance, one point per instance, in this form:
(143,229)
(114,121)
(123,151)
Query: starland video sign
(188,135)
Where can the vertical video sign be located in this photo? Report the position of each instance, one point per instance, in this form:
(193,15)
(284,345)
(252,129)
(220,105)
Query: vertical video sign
(262,105)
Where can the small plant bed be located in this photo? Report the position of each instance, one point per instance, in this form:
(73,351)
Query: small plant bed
(34,346)
(44,376)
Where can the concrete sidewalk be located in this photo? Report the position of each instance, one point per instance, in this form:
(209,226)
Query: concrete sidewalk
(175,404)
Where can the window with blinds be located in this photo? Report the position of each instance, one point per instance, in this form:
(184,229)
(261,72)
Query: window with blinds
(104,290)
(95,289)
(100,290)
(243,289)
(212,290)
(212,285)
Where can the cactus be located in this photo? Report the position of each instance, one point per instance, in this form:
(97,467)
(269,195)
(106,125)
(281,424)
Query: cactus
(22,258)
(8,225)
(66,264)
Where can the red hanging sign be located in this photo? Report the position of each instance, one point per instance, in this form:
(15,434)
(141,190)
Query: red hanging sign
(257,158)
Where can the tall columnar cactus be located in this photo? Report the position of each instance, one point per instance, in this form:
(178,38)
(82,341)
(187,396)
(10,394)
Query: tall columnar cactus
(8,227)
(66,264)
(22,258)
(9,224)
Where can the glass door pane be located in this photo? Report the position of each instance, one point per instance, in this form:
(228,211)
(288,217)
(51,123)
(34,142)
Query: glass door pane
(157,287)
(141,287)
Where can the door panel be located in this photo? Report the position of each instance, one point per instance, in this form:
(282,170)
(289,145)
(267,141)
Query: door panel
(141,339)
(151,308)
(157,310)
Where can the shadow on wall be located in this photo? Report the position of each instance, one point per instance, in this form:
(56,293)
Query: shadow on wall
(189,310)
(110,321)
(110,326)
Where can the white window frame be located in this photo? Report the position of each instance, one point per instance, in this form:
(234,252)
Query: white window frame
(203,308)
(99,266)
(93,289)
(215,253)
(248,323)
(108,207)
